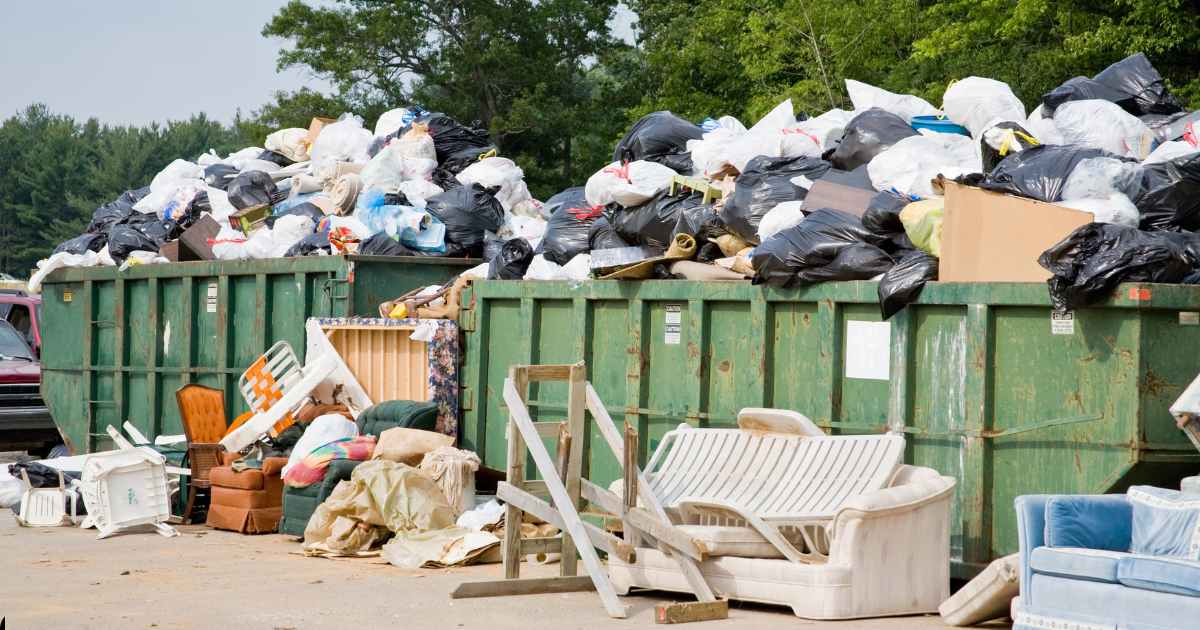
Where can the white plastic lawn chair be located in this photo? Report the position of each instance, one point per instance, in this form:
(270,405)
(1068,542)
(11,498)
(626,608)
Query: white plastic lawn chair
(46,507)
(126,488)
(770,480)
(276,385)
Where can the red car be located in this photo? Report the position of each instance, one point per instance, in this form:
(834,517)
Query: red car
(25,422)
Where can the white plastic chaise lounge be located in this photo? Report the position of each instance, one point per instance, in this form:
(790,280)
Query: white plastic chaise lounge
(836,527)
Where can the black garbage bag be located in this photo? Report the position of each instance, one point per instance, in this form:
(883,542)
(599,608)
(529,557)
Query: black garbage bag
(709,252)
(796,255)
(1021,138)
(116,211)
(310,245)
(126,239)
(458,161)
(383,244)
(396,199)
(603,236)
(882,216)
(1169,195)
(305,209)
(902,284)
(83,243)
(654,222)
(571,220)
(252,188)
(512,262)
(1135,76)
(700,221)
(41,475)
(1095,258)
(1039,172)
(1084,89)
(867,135)
(491,247)
(219,176)
(659,137)
(451,136)
(276,158)
(765,183)
(468,212)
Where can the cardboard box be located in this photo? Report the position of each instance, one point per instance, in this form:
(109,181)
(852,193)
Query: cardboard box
(990,237)
(314,129)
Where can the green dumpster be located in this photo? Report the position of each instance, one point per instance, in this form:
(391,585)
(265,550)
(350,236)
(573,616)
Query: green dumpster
(987,385)
(116,345)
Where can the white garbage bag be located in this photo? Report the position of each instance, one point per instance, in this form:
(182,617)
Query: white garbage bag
(906,106)
(827,127)
(577,269)
(393,120)
(230,244)
(342,141)
(418,190)
(1115,208)
(1099,178)
(1103,125)
(498,171)
(290,143)
(779,218)
(542,269)
(629,185)
(58,261)
(389,169)
(288,230)
(910,165)
(978,103)
(218,200)
(417,143)
(532,229)
(1043,129)
(1168,151)
(174,173)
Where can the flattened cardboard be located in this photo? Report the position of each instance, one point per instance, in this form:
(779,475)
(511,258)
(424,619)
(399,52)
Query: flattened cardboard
(193,243)
(991,237)
(314,129)
(848,199)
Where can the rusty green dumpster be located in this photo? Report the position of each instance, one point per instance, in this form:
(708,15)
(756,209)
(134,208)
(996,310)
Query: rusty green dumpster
(987,384)
(117,344)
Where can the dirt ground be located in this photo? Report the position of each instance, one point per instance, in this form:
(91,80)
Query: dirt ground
(64,578)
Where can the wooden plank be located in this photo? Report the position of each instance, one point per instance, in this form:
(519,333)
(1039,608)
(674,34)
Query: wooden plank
(599,538)
(541,545)
(645,522)
(547,429)
(686,612)
(511,548)
(608,430)
(519,417)
(547,372)
(526,586)
(576,430)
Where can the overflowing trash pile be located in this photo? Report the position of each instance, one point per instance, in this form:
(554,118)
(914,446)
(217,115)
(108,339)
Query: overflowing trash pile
(788,202)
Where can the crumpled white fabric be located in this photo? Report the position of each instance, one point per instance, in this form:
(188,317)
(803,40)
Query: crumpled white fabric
(910,165)
(1103,125)
(628,185)
(906,106)
(58,261)
(321,431)
(290,143)
(978,103)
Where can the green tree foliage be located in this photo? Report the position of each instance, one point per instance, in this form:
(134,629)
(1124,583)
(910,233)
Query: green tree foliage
(524,69)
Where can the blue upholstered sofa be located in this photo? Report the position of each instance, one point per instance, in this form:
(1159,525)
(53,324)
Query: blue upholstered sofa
(1078,571)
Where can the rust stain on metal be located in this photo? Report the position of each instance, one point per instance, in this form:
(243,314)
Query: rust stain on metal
(1152,384)
(806,319)
(693,350)
(723,366)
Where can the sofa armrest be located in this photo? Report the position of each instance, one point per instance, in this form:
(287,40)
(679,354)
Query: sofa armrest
(894,500)
(1031,533)
(339,470)
(273,466)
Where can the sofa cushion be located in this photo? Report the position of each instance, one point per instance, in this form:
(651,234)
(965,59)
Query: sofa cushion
(723,540)
(1165,575)
(1089,521)
(225,477)
(1097,565)
(1165,523)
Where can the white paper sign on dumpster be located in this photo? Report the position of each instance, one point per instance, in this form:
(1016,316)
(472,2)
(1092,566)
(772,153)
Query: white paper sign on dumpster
(868,350)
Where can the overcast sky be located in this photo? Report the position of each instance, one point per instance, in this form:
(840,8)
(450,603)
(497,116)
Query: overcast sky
(137,61)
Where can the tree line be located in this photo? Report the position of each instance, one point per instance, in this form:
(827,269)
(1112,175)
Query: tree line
(557,87)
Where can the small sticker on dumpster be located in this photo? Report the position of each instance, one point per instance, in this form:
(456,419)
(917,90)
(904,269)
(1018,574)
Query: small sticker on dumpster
(1189,318)
(1062,323)
(673,325)
(868,350)
(68,296)
(211,302)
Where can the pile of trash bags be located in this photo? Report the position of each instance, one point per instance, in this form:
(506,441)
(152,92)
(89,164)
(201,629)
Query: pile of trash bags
(1118,145)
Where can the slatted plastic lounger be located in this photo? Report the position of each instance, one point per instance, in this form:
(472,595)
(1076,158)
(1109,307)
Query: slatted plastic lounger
(770,480)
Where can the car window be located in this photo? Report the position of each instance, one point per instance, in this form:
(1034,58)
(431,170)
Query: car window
(18,316)
(12,345)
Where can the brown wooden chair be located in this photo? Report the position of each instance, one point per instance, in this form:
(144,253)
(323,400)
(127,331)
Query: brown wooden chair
(202,412)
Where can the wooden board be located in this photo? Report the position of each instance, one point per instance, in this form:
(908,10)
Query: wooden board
(523,586)
(685,612)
